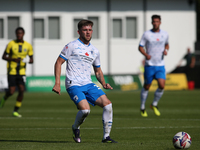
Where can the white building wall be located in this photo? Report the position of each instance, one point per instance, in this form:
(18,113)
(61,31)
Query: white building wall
(178,19)
(125,57)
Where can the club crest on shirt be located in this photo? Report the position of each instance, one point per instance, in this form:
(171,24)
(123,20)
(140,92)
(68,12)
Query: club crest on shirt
(75,98)
(92,53)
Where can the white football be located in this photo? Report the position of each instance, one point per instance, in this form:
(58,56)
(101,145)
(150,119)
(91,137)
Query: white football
(182,140)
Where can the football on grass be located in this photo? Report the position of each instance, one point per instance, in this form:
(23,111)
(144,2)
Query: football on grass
(182,140)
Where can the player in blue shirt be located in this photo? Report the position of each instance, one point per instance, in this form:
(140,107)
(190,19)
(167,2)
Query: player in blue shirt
(154,45)
(79,56)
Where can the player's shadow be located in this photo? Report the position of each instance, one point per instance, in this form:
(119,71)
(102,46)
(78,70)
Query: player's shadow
(36,141)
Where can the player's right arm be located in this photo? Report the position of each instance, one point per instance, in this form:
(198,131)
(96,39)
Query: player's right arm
(141,46)
(57,73)
(30,54)
(6,53)
(6,57)
(64,56)
(142,50)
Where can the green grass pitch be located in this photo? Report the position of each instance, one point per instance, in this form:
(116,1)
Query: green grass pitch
(47,118)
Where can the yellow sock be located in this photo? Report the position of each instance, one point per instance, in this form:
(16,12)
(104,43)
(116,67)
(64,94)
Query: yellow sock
(18,104)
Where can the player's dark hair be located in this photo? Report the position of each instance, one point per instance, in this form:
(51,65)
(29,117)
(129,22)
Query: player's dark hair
(155,17)
(19,28)
(84,22)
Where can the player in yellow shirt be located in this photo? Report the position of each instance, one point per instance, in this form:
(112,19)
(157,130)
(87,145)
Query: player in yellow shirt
(15,55)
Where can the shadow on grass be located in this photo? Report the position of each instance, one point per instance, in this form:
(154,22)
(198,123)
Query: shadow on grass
(36,141)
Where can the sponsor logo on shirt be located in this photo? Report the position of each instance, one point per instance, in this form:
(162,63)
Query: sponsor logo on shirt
(86,58)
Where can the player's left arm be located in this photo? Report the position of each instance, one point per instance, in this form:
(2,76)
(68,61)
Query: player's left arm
(166,45)
(30,54)
(166,49)
(100,78)
(30,59)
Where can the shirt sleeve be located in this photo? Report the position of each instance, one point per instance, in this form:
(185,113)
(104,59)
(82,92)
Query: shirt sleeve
(143,40)
(66,52)
(167,39)
(96,62)
(8,48)
(30,52)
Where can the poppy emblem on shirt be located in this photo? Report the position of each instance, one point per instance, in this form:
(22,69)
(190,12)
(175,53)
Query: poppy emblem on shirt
(157,40)
(86,54)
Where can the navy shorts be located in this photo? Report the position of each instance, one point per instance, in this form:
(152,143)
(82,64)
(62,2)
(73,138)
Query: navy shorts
(91,92)
(14,80)
(154,72)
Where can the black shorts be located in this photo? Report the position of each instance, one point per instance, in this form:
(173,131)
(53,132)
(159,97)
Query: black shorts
(14,80)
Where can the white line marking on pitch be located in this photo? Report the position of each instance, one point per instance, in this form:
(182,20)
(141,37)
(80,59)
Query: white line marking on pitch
(50,118)
(120,128)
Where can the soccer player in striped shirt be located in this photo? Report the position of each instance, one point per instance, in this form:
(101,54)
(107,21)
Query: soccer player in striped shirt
(15,55)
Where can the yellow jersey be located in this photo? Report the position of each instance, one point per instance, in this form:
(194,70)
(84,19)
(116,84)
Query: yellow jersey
(18,50)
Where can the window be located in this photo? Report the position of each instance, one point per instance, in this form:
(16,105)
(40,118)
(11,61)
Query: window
(1,28)
(8,31)
(131,28)
(54,28)
(95,20)
(38,28)
(13,23)
(124,28)
(50,25)
(76,35)
(117,28)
